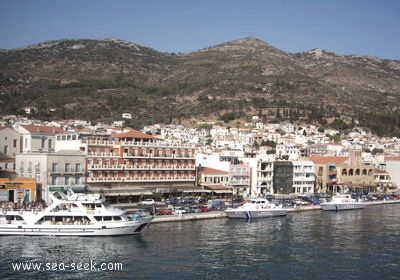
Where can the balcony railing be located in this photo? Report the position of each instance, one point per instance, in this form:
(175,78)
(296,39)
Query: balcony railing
(140,167)
(150,155)
(140,179)
(105,167)
(103,154)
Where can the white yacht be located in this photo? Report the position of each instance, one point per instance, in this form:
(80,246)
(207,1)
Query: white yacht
(256,208)
(340,202)
(70,214)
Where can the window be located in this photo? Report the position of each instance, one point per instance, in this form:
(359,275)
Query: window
(50,144)
(6,149)
(67,167)
(15,143)
(54,167)
(78,167)
(43,143)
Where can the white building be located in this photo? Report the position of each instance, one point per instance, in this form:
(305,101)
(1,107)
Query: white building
(303,177)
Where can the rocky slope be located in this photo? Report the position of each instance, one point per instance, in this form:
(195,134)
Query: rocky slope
(99,79)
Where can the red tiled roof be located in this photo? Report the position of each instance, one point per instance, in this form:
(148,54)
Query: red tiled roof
(380,171)
(133,134)
(392,158)
(325,160)
(43,129)
(209,170)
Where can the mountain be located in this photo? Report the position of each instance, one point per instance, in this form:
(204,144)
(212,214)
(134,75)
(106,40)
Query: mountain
(98,80)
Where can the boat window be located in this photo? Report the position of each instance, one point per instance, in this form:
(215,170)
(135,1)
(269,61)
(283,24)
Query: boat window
(98,205)
(98,218)
(88,205)
(107,218)
(117,218)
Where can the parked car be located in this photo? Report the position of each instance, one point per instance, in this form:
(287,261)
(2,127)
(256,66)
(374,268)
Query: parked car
(203,209)
(188,200)
(300,202)
(163,212)
(194,209)
(179,210)
(148,201)
(172,201)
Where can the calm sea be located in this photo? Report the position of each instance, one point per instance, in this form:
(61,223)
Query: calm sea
(358,244)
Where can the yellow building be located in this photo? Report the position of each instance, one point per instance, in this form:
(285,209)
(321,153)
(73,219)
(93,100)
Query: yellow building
(354,174)
(17,189)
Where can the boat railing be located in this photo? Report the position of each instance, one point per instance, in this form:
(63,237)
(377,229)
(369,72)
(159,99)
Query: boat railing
(25,206)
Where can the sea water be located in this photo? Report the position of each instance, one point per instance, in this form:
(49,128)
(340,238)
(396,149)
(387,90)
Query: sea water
(354,244)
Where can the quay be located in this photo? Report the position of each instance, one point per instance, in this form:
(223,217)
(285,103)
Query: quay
(221,214)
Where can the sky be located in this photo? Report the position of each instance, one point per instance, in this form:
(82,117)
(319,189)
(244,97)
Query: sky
(345,27)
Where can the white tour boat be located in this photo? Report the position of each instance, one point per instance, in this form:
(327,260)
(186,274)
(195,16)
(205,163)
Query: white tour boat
(340,202)
(71,214)
(256,208)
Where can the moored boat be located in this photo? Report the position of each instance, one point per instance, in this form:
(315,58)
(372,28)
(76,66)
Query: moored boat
(70,214)
(340,202)
(256,208)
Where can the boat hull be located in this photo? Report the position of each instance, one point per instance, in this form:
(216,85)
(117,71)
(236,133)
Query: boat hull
(71,230)
(341,207)
(254,214)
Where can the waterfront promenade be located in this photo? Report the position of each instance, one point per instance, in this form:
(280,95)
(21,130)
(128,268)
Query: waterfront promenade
(221,214)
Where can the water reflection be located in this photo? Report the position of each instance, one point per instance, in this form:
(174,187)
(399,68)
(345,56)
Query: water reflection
(356,244)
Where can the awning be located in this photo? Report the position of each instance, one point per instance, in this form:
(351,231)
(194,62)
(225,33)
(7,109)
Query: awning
(217,189)
(128,193)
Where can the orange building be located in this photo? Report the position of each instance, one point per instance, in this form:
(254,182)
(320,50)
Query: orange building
(17,189)
(134,164)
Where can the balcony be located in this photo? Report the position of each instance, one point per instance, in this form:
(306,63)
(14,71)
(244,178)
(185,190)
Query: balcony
(240,182)
(159,167)
(156,156)
(99,142)
(158,144)
(104,179)
(103,155)
(105,167)
(141,179)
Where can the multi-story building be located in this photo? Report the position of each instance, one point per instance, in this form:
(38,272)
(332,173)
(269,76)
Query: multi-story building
(10,142)
(214,181)
(354,174)
(126,166)
(393,166)
(52,171)
(383,180)
(264,178)
(239,178)
(303,177)
(10,145)
(38,138)
(282,180)
(325,168)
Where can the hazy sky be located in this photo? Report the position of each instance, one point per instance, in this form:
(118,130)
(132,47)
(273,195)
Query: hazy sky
(345,27)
